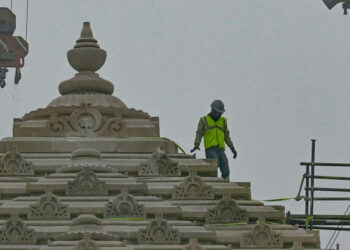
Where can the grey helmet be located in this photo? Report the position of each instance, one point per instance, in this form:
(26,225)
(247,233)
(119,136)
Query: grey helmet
(218,106)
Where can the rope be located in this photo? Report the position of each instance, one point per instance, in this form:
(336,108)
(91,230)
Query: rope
(336,232)
(26,19)
(307,222)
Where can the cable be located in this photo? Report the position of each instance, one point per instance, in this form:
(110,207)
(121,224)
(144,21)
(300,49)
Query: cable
(336,232)
(27,19)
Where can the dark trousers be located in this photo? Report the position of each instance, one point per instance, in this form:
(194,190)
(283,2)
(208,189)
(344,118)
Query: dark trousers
(220,156)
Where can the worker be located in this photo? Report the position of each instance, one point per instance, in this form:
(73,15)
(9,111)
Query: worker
(214,129)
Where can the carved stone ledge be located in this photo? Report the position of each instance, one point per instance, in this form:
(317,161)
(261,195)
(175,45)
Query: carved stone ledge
(86,183)
(226,211)
(261,236)
(159,164)
(15,232)
(158,231)
(124,205)
(48,207)
(13,163)
(193,245)
(193,187)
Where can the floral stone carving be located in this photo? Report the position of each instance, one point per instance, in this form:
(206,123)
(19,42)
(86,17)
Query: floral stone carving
(15,232)
(193,245)
(85,121)
(159,164)
(13,163)
(86,183)
(193,187)
(226,211)
(87,244)
(124,205)
(48,207)
(261,236)
(158,231)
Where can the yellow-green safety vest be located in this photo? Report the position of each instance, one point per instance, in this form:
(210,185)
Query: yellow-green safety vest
(214,132)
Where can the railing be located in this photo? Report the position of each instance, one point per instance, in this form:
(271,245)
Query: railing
(310,220)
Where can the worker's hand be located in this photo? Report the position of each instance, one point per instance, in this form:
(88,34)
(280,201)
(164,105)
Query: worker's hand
(195,148)
(234,152)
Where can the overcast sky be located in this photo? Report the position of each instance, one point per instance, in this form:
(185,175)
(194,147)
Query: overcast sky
(280,66)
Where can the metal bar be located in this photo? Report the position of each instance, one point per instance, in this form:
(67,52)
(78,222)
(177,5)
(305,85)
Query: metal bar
(307,191)
(324,164)
(332,177)
(321,222)
(328,228)
(332,198)
(322,216)
(338,247)
(327,189)
(313,144)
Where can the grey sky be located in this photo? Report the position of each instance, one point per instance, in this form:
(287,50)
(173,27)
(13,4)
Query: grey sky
(281,67)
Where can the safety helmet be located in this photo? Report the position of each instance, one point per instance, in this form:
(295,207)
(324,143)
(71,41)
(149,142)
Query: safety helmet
(218,106)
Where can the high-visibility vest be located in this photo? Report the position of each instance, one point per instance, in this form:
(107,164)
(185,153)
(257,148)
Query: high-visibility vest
(214,132)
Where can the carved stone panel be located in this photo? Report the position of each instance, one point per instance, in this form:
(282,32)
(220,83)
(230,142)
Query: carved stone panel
(13,163)
(48,207)
(261,236)
(193,245)
(226,211)
(86,183)
(159,164)
(15,232)
(124,205)
(85,121)
(158,231)
(193,187)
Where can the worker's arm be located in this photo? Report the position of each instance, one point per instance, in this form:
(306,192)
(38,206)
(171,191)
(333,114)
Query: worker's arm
(228,141)
(199,135)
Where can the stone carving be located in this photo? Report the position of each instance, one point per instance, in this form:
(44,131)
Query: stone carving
(13,163)
(85,121)
(261,236)
(226,211)
(193,187)
(124,205)
(193,245)
(158,231)
(87,244)
(297,245)
(15,232)
(86,183)
(159,164)
(48,207)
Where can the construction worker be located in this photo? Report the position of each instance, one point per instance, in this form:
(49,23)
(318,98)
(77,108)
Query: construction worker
(214,129)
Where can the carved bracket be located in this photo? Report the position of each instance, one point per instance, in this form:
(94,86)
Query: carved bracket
(158,231)
(86,183)
(297,245)
(87,244)
(48,207)
(15,232)
(159,164)
(124,205)
(193,245)
(193,187)
(226,211)
(261,236)
(13,163)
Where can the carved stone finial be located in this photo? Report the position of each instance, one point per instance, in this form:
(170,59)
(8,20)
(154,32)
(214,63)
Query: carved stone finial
(159,164)
(261,236)
(226,211)
(158,231)
(15,232)
(13,163)
(193,245)
(124,205)
(86,183)
(193,187)
(48,207)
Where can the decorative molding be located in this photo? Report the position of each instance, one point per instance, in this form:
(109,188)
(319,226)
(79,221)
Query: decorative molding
(226,211)
(85,121)
(124,205)
(159,164)
(87,244)
(193,245)
(15,232)
(158,231)
(193,187)
(261,236)
(13,163)
(48,207)
(86,183)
